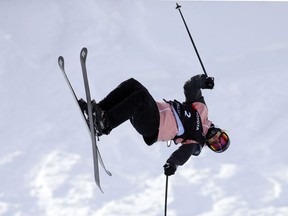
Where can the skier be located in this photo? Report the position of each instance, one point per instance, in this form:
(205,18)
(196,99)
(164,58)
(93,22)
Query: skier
(186,123)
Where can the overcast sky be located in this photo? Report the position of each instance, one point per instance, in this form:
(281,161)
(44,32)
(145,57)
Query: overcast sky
(45,151)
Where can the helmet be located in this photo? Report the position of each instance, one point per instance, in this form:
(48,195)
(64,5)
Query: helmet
(217,140)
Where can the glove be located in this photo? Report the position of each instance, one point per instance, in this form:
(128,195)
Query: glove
(169,169)
(209,82)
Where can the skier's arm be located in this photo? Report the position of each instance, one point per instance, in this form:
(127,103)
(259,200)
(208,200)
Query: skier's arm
(183,153)
(180,156)
(192,88)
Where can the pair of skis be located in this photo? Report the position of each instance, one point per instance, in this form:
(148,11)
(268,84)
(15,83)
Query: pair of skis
(88,117)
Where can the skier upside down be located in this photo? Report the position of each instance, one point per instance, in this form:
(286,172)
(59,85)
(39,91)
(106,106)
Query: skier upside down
(186,123)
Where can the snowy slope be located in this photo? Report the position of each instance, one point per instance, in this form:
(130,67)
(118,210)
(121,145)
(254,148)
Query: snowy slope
(45,157)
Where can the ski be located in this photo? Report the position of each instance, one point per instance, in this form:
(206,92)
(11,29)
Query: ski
(96,153)
(83,56)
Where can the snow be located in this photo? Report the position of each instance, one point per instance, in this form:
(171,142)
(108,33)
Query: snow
(46,159)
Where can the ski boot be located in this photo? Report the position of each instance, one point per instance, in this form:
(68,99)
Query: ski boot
(100,121)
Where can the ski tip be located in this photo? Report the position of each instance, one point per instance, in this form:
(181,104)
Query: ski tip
(61,61)
(84,49)
(83,53)
(178,6)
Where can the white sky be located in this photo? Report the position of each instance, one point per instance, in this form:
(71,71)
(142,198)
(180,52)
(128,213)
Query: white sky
(45,156)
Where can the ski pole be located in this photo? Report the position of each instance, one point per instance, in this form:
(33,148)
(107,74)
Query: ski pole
(202,65)
(166,195)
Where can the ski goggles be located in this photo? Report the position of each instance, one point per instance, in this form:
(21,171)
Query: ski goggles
(219,142)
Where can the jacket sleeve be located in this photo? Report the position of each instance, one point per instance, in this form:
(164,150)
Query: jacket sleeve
(183,153)
(192,89)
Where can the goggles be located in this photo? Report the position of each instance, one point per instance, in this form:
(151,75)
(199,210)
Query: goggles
(219,142)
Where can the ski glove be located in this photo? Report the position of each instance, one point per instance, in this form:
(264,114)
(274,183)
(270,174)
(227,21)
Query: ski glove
(209,82)
(169,169)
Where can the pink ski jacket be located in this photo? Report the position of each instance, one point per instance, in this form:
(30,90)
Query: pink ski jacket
(168,128)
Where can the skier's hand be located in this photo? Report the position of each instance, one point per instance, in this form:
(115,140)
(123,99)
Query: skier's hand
(169,169)
(209,82)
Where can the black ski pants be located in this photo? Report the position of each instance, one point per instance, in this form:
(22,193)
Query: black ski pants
(131,100)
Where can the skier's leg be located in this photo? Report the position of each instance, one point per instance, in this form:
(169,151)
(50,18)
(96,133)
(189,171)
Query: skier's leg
(119,94)
(147,122)
(136,103)
(131,100)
